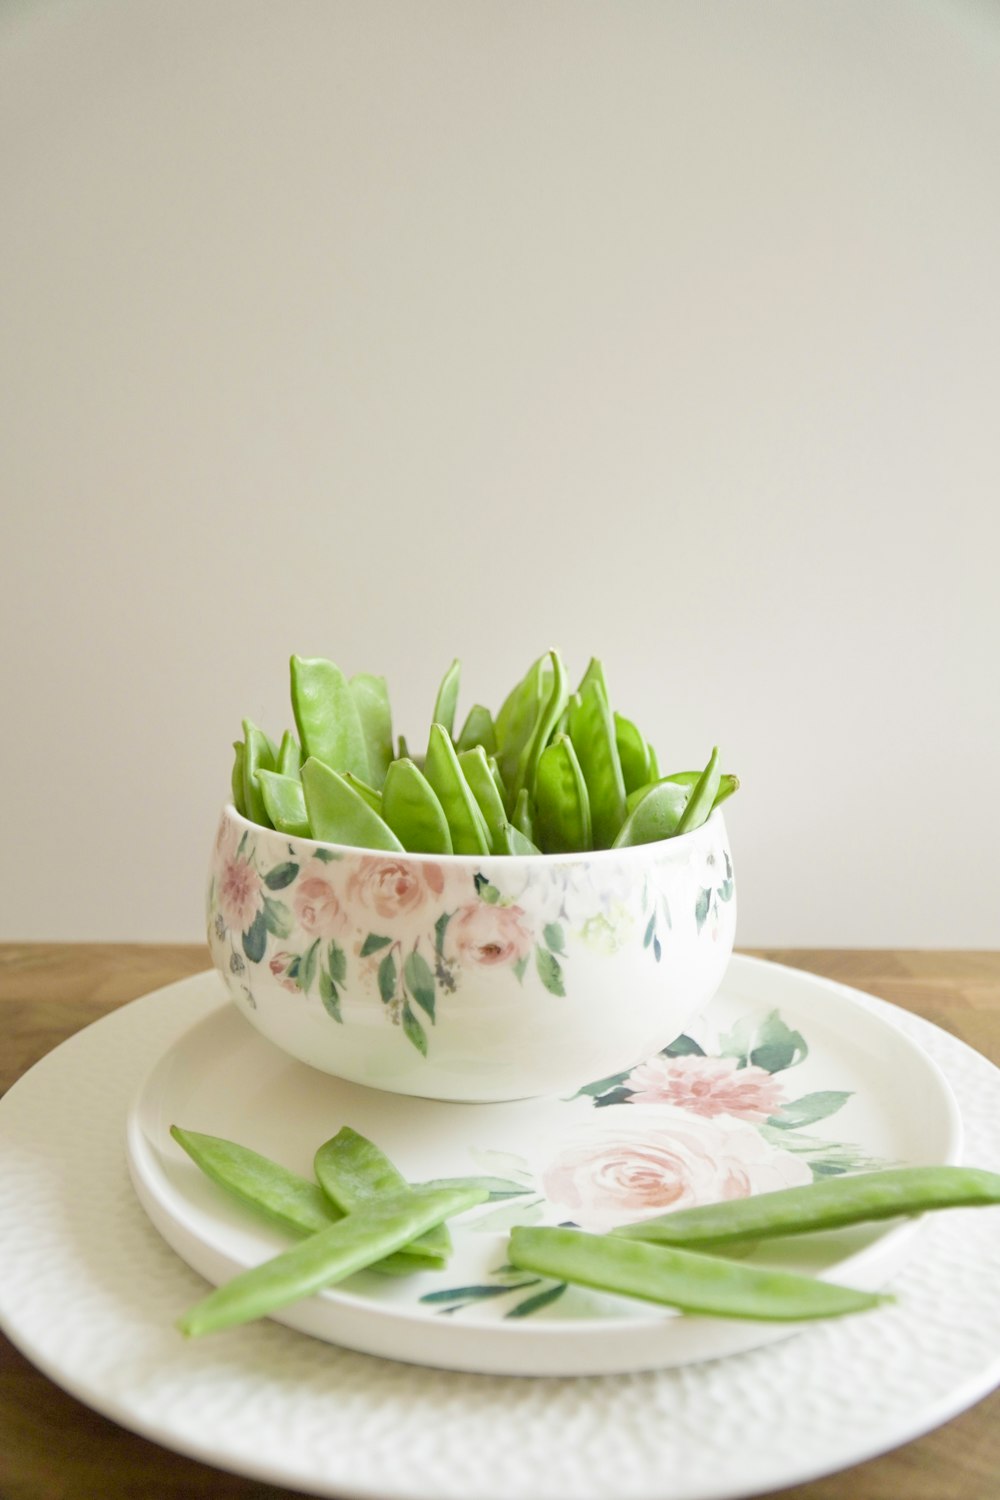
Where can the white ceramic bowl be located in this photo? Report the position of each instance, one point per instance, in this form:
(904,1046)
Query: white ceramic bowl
(455,977)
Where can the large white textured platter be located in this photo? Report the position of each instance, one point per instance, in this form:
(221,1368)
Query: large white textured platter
(779,1080)
(88,1290)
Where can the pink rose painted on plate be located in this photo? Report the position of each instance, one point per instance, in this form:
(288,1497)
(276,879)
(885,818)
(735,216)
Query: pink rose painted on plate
(489,935)
(650,1159)
(707,1086)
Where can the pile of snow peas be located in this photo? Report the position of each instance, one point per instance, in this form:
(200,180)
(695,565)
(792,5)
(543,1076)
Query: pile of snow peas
(554,772)
(361,1213)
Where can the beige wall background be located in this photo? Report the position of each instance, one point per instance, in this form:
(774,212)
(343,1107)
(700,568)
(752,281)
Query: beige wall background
(391,331)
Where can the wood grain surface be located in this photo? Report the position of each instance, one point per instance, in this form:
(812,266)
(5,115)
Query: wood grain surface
(54,1448)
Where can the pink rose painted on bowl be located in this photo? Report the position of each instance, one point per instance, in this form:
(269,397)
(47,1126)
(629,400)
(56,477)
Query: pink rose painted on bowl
(649,1160)
(394,887)
(279,966)
(317,907)
(707,1086)
(240,893)
(489,935)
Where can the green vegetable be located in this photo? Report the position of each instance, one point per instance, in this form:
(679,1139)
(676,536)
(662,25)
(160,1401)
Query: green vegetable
(479,775)
(277,1194)
(327,717)
(371,699)
(478,729)
(524,815)
(366,1235)
(550,709)
(562,724)
(352,1171)
(239,800)
(285,802)
(447,698)
(595,673)
(555,770)
(633,753)
(828,1204)
(592,731)
(259,754)
(339,815)
(516,721)
(656,814)
(469,834)
(727,784)
(289,756)
(703,795)
(413,811)
(516,842)
(561,799)
(681,1278)
(365,792)
(280,1195)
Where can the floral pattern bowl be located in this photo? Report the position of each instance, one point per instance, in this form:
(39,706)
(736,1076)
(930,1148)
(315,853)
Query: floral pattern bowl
(458,977)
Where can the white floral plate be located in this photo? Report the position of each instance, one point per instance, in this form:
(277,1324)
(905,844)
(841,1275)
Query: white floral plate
(780,1081)
(89,1289)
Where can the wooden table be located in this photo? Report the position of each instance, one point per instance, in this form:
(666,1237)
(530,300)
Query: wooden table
(53,1448)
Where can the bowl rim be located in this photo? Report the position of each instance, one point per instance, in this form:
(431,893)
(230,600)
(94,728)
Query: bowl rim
(678,841)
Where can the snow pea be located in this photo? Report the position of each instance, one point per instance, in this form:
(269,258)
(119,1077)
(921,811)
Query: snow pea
(702,797)
(477,772)
(497,779)
(727,784)
(831,1203)
(289,756)
(595,673)
(561,800)
(352,1171)
(524,814)
(469,834)
(447,698)
(285,802)
(327,717)
(654,764)
(516,720)
(365,1236)
(338,815)
(276,1193)
(562,723)
(515,842)
(656,815)
(259,754)
(686,779)
(478,729)
(239,800)
(371,699)
(280,1195)
(550,709)
(592,731)
(633,752)
(365,792)
(681,1278)
(413,812)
